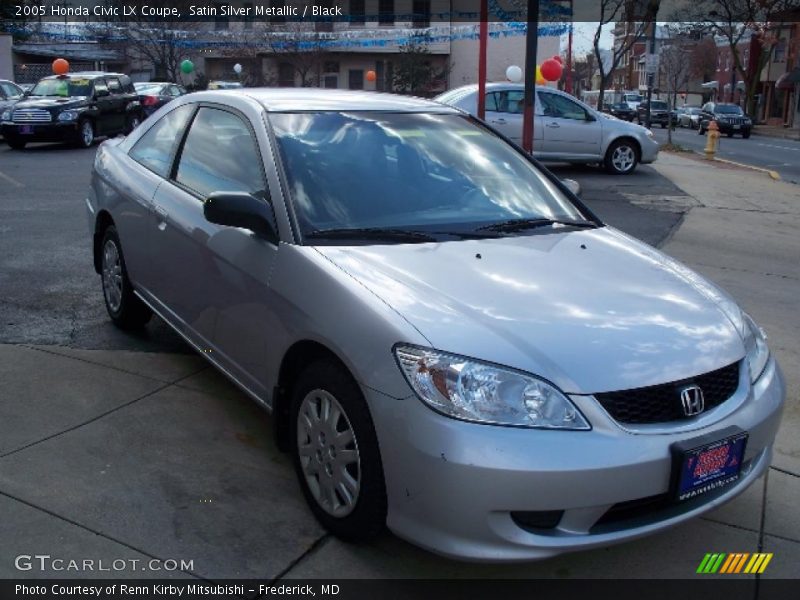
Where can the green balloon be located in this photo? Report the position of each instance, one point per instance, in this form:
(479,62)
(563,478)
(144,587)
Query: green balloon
(187,66)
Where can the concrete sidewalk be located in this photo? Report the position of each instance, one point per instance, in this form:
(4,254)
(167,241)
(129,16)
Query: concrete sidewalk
(134,455)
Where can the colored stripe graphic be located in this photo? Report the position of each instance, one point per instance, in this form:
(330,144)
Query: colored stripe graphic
(720,562)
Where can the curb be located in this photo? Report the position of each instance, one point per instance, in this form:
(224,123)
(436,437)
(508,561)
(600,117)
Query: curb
(773,174)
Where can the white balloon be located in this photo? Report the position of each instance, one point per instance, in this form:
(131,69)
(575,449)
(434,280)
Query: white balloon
(514,74)
(237,68)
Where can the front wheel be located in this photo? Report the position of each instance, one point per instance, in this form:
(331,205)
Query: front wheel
(336,454)
(746,135)
(16,144)
(85,134)
(126,310)
(621,158)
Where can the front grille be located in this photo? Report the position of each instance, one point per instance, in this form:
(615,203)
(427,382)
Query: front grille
(662,403)
(734,120)
(32,115)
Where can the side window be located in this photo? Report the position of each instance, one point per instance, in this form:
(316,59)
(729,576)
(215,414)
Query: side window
(562,108)
(10,91)
(220,155)
(100,85)
(155,148)
(491,101)
(510,102)
(114,86)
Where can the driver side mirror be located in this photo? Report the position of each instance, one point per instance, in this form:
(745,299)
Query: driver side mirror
(240,209)
(590,117)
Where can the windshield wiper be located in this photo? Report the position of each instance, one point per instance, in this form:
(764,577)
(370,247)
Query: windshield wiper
(523,224)
(371,233)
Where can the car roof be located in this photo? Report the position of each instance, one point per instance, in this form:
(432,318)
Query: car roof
(86,75)
(321,99)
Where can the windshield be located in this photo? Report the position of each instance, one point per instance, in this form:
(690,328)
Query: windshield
(656,105)
(632,98)
(424,172)
(63,87)
(694,111)
(148,88)
(728,109)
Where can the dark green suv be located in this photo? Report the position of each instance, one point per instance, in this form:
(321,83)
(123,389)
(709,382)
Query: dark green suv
(73,108)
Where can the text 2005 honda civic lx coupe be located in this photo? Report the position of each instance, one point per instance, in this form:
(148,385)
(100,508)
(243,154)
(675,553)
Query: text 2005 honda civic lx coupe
(451,343)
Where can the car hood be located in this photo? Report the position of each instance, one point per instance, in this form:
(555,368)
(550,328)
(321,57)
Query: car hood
(48,102)
(591,310)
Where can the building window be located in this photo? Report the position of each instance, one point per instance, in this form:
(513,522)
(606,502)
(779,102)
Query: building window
(355,79)
(330,81)
(780,50)
(248,22)
(285,75)
(220,22)
(386,12)
(357,13)
(422,13)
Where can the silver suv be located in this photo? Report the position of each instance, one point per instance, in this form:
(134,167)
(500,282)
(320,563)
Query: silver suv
(565,129)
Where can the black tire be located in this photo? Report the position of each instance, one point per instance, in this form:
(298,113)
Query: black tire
(663,126)
(623,163)
(729,134)
(16,144)
(746,135)
(126,310)
(700,130)
(86,134)
(132,123)
(365,516)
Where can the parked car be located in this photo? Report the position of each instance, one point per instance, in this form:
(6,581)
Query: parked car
(690,117)
(621,110)
(659,113)
(450,342)
(224,85)
(73,108)
(730,119)
(565,129)
(155,94)
(10,94)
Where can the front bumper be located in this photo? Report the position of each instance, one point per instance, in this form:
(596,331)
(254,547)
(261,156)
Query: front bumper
(650,149)
(729,128)
(40,132)
(452,485)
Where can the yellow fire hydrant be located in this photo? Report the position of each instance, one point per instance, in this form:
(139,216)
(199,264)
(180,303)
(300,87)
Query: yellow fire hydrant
(712,141)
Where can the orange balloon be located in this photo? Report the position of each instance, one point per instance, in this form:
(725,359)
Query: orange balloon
(60,66)
(371,76)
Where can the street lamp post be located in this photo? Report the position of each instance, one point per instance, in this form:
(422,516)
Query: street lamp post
(531,41)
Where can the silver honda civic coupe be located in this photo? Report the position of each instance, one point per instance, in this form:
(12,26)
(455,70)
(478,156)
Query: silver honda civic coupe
(452,345)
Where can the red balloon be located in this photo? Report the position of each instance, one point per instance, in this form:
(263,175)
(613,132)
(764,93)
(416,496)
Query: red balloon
(558,59)
(371,76)
(551,70)
(60,66)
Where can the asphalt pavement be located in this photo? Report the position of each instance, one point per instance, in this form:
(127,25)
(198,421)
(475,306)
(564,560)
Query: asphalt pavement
(776,154)
(130,447)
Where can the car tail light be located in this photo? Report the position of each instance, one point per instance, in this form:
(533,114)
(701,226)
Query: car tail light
(150,100)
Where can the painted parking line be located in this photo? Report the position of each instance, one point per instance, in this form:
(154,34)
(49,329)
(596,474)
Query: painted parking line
(11,180)
(780,147)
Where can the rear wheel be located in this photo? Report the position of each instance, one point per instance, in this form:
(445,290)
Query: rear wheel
(133,123)
(126,310)
(336,453)
(621,157)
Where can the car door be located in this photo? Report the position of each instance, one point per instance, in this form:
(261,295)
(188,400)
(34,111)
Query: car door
(569,131)
(505,112)
(152,156)
(119,101)
(213,280)
(104,122)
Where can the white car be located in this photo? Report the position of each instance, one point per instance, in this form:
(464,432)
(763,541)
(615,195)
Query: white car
(565,129)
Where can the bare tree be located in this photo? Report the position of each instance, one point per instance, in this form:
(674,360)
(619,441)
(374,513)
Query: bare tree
(737,21)
(297,44)
(636,16)
(674,71)
(582,71)
(415,71)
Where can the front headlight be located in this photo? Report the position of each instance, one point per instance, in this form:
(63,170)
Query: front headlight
(473,390)
(650,134)
(68,115)
(755,343)
(6,116)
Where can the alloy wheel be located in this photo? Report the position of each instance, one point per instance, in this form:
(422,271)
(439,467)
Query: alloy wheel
(328,453)
(112,276)
(623,158)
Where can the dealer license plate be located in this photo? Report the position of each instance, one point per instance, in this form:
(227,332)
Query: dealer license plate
(26,129)
(706,466)
(737,126)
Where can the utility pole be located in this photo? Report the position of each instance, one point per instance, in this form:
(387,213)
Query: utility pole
(531,41)
(651,75)
(569,48)
(482,38)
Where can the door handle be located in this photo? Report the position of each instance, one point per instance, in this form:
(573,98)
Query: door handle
(499,121)
(553,124)
(162,217)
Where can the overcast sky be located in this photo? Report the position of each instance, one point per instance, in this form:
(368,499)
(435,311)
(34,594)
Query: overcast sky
(583,37)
